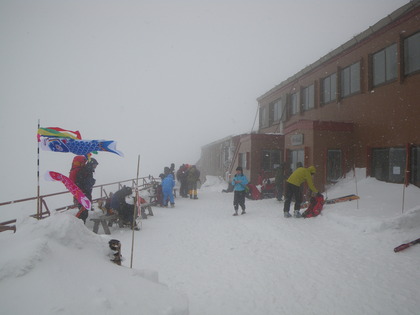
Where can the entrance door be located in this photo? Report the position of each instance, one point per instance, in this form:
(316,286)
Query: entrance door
(334,169)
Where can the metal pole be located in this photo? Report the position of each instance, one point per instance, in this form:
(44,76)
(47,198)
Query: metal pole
(355,181)
(135,211)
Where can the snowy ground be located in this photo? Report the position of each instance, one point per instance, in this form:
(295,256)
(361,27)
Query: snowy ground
(198,259)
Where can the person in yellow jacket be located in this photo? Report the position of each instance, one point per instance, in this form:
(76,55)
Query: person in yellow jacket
(293,183)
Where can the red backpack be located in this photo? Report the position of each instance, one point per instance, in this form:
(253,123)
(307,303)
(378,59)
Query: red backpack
(315,207)
(78,162)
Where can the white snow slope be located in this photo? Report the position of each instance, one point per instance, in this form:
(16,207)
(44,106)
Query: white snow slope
(198,259)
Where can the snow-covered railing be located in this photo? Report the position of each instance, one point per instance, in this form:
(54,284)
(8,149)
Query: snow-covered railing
(142,183)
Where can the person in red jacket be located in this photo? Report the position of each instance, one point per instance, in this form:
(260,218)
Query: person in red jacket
(78,162)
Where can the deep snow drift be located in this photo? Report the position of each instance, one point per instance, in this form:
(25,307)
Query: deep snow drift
(198,259)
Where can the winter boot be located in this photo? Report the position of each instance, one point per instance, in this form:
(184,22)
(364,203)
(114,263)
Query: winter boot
(287,214)
(243,211)
(236,211)
(297,214)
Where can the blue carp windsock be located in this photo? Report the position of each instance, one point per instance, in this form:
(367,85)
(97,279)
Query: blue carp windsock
(72,187)
(78,147)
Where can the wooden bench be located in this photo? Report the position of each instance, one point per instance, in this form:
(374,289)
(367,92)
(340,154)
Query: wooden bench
(106,221)
(5,226)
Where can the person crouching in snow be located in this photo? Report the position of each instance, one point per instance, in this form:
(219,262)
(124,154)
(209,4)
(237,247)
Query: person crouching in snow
(293,183)
(168,184)
(239,183)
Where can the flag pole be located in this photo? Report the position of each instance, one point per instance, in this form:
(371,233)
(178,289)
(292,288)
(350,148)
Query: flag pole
(38,203)
(135,211)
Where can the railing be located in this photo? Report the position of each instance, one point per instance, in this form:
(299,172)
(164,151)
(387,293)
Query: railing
(142,183)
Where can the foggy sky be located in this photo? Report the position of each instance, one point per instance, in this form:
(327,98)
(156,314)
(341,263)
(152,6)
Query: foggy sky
(162,78)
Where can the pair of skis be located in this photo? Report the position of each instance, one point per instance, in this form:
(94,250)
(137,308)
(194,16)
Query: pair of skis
(333,201)
(341,199)
(406,245)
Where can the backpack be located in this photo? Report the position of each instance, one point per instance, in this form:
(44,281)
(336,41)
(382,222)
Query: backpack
(78,162)
(315,207)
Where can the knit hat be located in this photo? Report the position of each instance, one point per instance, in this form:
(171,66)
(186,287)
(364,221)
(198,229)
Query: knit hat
(239,168)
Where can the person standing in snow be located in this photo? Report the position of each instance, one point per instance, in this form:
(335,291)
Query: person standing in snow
(293,183)
(78,162)
(85,181)
(181,176)
(279,181)
(239,183)
(168,184)
(193,177)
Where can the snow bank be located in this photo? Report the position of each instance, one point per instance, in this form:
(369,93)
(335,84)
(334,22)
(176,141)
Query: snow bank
(51,257)
(214,183)
(375,200)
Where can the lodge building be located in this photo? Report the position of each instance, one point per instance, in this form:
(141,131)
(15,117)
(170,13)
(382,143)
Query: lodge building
(358,106)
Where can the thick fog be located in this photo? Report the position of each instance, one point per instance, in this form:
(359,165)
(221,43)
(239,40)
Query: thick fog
(162,78)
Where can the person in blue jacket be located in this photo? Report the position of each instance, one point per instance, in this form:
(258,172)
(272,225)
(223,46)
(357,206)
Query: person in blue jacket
(168,184)
(239,183)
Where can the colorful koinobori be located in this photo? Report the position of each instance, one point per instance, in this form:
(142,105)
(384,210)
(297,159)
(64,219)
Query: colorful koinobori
(61,140)
(78,147)
(77,193)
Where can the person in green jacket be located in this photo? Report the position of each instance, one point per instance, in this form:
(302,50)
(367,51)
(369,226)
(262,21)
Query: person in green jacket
(293,183)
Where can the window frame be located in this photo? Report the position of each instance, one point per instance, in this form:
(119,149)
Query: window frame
(409,54)
(294,104)
(264,116)
(389,64)
(350,77)
(308,97)
(272,160)
(278,110)
(332,90)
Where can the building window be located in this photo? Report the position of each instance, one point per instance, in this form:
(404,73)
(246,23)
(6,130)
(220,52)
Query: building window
(294,104)
(308,97)
(412,54)
(329,89)
(264,116)
(384,65)
(389,164)
(278,110)
(350,80)
(270,159)
(242,161)
(296,158)
(334,168)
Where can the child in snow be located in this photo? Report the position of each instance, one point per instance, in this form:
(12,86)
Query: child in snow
(239,183)
(168,184)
